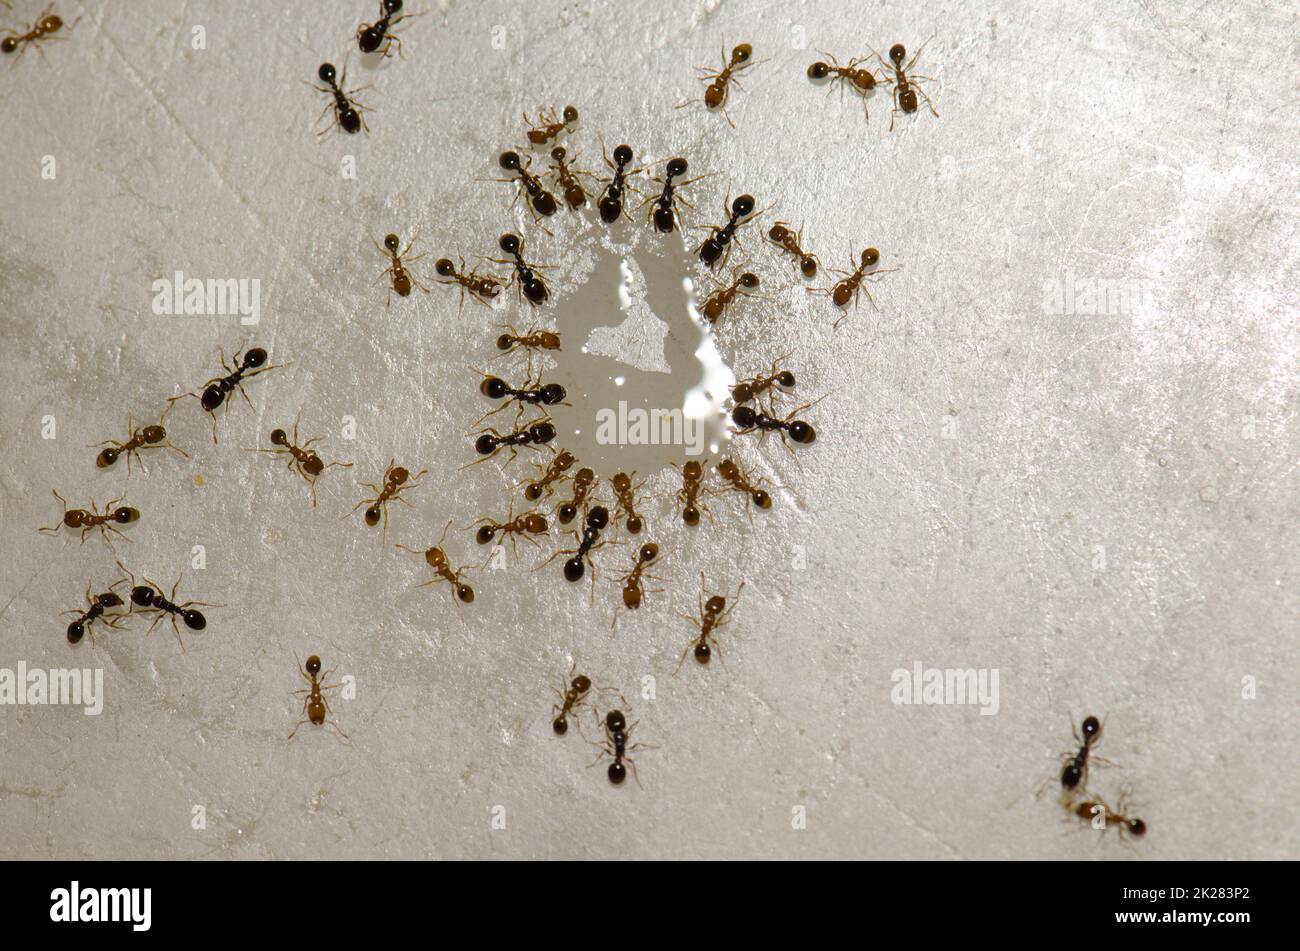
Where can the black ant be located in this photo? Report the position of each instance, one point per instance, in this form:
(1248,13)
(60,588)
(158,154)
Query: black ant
(905,87)
(691,492)
(566,176)
(583,480)
(437,559)
(535,434)
(150,596)
(99,605)
(396,481)
(530,284)
(633,591)
(846,289)
(617,734)
(370,36)
(751,420)
(215,391)
(302,458)
(574,567)
(402,279)
(717,246)
(573,697)
(746,391)
(611,200)
(348,113)
(541,202)
(743,482)
(664,214)
(1075,770)
(1089,808)
(713,614)
(87,519)
(481,288)
(549,127)
(720,81)
(540,486)
(626,494)
(716,304)
(46,25)
(524,525)
(781,235)
(146,437)
(862,80)
(314,704)
(533,393)
(534,339)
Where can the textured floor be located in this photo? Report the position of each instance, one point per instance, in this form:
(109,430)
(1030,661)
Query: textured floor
(1100,506)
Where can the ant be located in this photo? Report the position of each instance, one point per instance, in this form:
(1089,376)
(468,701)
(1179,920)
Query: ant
(395,482)
(716,304)
(617,734)
(542,485)
(548,127)
(1092,808)
(574,696)
(534,339)
(583,480)
(523,525)
(846,289)
(750,420)
(691,491)
(370,36)
(862,80)
(626,495)
(713,614)
(437,559)
(905,88)
(303,459)
(742,481)
(574,568)
(99,604)
(566,176)
(495,388)
(402,278)
(146,437)
(781,235)
(541,202)
(746,391)
(314,705)
(480,288)
(664,214)
(536,433)
(531,286)
(717,246)
(218,388)
(46,25)
(633,592)
(348,113)
(1075,770)
(611,200)
(149,595)
(719,82)
(92,518)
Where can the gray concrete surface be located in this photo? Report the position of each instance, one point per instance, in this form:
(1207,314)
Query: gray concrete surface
(1100,506)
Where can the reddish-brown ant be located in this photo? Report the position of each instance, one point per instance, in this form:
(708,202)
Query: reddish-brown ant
(396,481)
(302,458)
(533,340)
(92,518)
(541,203)
(215,392)
(97,610)
(541,486)
(46,27)
(481,288)
(846,289)
(716,304)
(751,420)
(691,492)
(746,391)
(437,559)
(566,176)
(740,480)
(714,613)
(524,525)
(534,435)
(150,597)
(617,733)
(146,437)
(633,590)
(853,75)
(548,127)
(575,695)
(583,480)
(719,82)
(906,87)
(402,279)
(314,705)
(1094,810)
(783,237)
(626,495)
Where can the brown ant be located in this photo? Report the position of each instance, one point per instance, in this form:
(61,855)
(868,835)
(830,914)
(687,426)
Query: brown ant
(781,235)
(611,200)
(566,176)
(664,214)
(541,203)
(533,392)
(548,126)
(846,289)
(437,559)
(583,480)
(575,567)
(146,437)
(626,494)
(370,36)
(530,284)
(713,614)
(303,459)
(349,115)
(719,82)
(751,420)
(87,519)
(534,339)
(575,695)
(150,596)
(45,28)
(314,704)
(395,482)
(740,480)
(481,288)
(524,525)
(1091,807)
(689,495)
(535,434)
(553,472)
(717,246)
(633,591)
(716,304)
(402,279)
(617,734)
(217,389)
(746,391)
(99,605)
(905,88)
(862,80)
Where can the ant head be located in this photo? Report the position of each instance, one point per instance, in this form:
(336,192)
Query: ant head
(212,397)
(574,569)
(194,620)
(778,232)
(649,552)
(493,388)
(445,268)
(802,432)
(762,499)
(391,243)
(535,524)
(703,652)
(153,434)
(553,393)
(279,437)
(870,257)
(106,458)
(692,470)
(350,119)
(142,595)
(808,265)
(254,358)
(615,721)
(125,515)
(742,206)
(744,416)
(485,444)
(465,593)
(581,683)
(741,393)
(398,475)
(485,534)
(372,515)
(570,115)
(623,154)
(542,432)
(1091,728)
(76,631)
(742,53)
(676,167)
(749,279)
(728,468)
(715,605)
(327,74)
(598,517)
(370,38)
(313,664)
(510,161)
(898,53)
(819,70)
(567,513)
(509,243)
(109,600)
(560,725)
(533,492)
(622,481)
